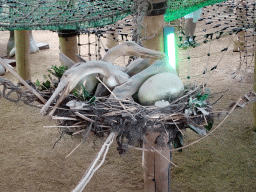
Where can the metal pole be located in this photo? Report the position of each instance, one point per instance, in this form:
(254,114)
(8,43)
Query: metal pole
(22,53)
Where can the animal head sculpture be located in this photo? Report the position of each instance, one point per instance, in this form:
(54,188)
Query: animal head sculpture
(130,48)
(72,77)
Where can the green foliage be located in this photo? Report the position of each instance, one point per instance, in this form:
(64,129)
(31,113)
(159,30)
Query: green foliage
(209,125)
(178,141)
(203,97)
(196,104)
(83,95)
(197,129)
(44,85)
(47,84)
(57,71)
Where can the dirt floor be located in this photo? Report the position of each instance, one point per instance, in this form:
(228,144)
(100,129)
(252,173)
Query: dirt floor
(224,161)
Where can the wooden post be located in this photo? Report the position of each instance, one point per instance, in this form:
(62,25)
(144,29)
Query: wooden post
(22,53)
(153,26)
(111,37)
(68,44)
(156,167)
(254,89)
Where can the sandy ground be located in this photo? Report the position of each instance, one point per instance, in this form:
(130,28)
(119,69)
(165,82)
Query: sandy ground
(224,161)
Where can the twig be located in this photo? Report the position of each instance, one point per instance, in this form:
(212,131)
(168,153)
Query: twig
(233,108)
(22,81)
(177,127)
(63,118)
(85,137)
(185,95)
(63,126)
(84,117)
(216,100)
(116,98)
(92,169)
(58,139)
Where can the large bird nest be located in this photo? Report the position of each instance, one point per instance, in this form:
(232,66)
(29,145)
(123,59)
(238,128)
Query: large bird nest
(132,122)
(128,119)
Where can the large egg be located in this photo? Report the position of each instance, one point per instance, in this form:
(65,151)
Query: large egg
(161,86)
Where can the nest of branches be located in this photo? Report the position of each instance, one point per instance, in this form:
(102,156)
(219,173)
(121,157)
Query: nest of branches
(129,120)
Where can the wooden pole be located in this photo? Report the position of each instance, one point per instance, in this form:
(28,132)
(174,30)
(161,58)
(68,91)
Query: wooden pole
(153,26)
(254,89)
(156,167)
(112,38)
(68,44)
(22,45)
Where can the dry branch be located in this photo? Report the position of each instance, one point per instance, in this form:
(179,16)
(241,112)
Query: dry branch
(96,164)
(22,81)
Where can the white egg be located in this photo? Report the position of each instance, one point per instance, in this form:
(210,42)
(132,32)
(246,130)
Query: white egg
(161,86)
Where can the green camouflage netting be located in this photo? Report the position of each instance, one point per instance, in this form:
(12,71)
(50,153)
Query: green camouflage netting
(79,14)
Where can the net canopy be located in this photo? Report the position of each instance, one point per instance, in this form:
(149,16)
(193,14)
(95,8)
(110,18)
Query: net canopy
(180,8)
(80,14)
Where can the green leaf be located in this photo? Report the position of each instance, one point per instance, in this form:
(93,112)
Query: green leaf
(84,95)
(198,130)
(209,125)
(190,102)
(47,84)
(37,83)
(75,93)
(92,100)
(57,71)
(178,141)
(202,97)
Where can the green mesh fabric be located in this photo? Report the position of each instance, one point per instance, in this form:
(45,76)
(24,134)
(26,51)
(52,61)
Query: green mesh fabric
(79,14)
(180,8)
(61,14)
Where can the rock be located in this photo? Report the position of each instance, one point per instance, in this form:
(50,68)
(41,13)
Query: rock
(162,86)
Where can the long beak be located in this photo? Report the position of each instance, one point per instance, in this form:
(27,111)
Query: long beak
(144,52)
(62,85)
(62,97)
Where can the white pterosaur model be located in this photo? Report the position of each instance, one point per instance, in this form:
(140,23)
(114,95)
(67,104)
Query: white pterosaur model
(113,76)
(73,75)
(130,48)
(2,69)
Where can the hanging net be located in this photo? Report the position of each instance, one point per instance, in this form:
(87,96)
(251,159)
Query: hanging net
(180,8)
(61,14)
(80,14)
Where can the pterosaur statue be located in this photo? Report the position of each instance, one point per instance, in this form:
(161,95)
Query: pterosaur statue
(124,81)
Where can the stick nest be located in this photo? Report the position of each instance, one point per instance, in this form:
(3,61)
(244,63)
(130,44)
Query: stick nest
(128,119)
(132,122)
